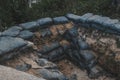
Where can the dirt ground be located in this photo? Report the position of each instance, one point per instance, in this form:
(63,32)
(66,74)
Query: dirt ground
(69,69)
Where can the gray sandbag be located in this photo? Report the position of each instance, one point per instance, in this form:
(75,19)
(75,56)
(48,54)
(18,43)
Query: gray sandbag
(98,23)
(73,77)
(70,34)
(56,55)
(83,45)
(13,31)
(84,18)
(87,55)
(23,67)
(45,33)
(75,57)
(95,72)
(43,22)
(29,25)
(8,44)
(110,23)
(101,20)
(116,27)
(73,17)
(60,20)
(92,19)
(26,34)
(48,48)
(46,64)
(52,74)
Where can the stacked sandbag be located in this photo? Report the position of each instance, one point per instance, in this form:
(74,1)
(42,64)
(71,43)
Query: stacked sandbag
(80,54)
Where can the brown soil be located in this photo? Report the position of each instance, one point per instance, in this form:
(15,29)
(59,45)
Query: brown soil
(69,69)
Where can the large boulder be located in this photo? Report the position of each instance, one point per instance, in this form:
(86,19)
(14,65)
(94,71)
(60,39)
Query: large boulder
(7,73)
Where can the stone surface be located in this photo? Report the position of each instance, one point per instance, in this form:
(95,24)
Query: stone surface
(13,31)
(7,73)
(29,25)
(60,20)
(73,17)
(26,34)
(44,22)
(8,44)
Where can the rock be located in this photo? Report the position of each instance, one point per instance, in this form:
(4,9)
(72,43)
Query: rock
(26,34)
(13,31)
(43,22)
(60,20)
(52,74)
(87,55)
(73,17)
(24,67)
(8,44)
(29,25)
(7,73)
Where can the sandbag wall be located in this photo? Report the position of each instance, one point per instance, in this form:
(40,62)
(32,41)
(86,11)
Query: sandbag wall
(17,37)
(98,22)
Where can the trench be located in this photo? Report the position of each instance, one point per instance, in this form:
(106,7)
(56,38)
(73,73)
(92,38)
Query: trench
(99,42)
